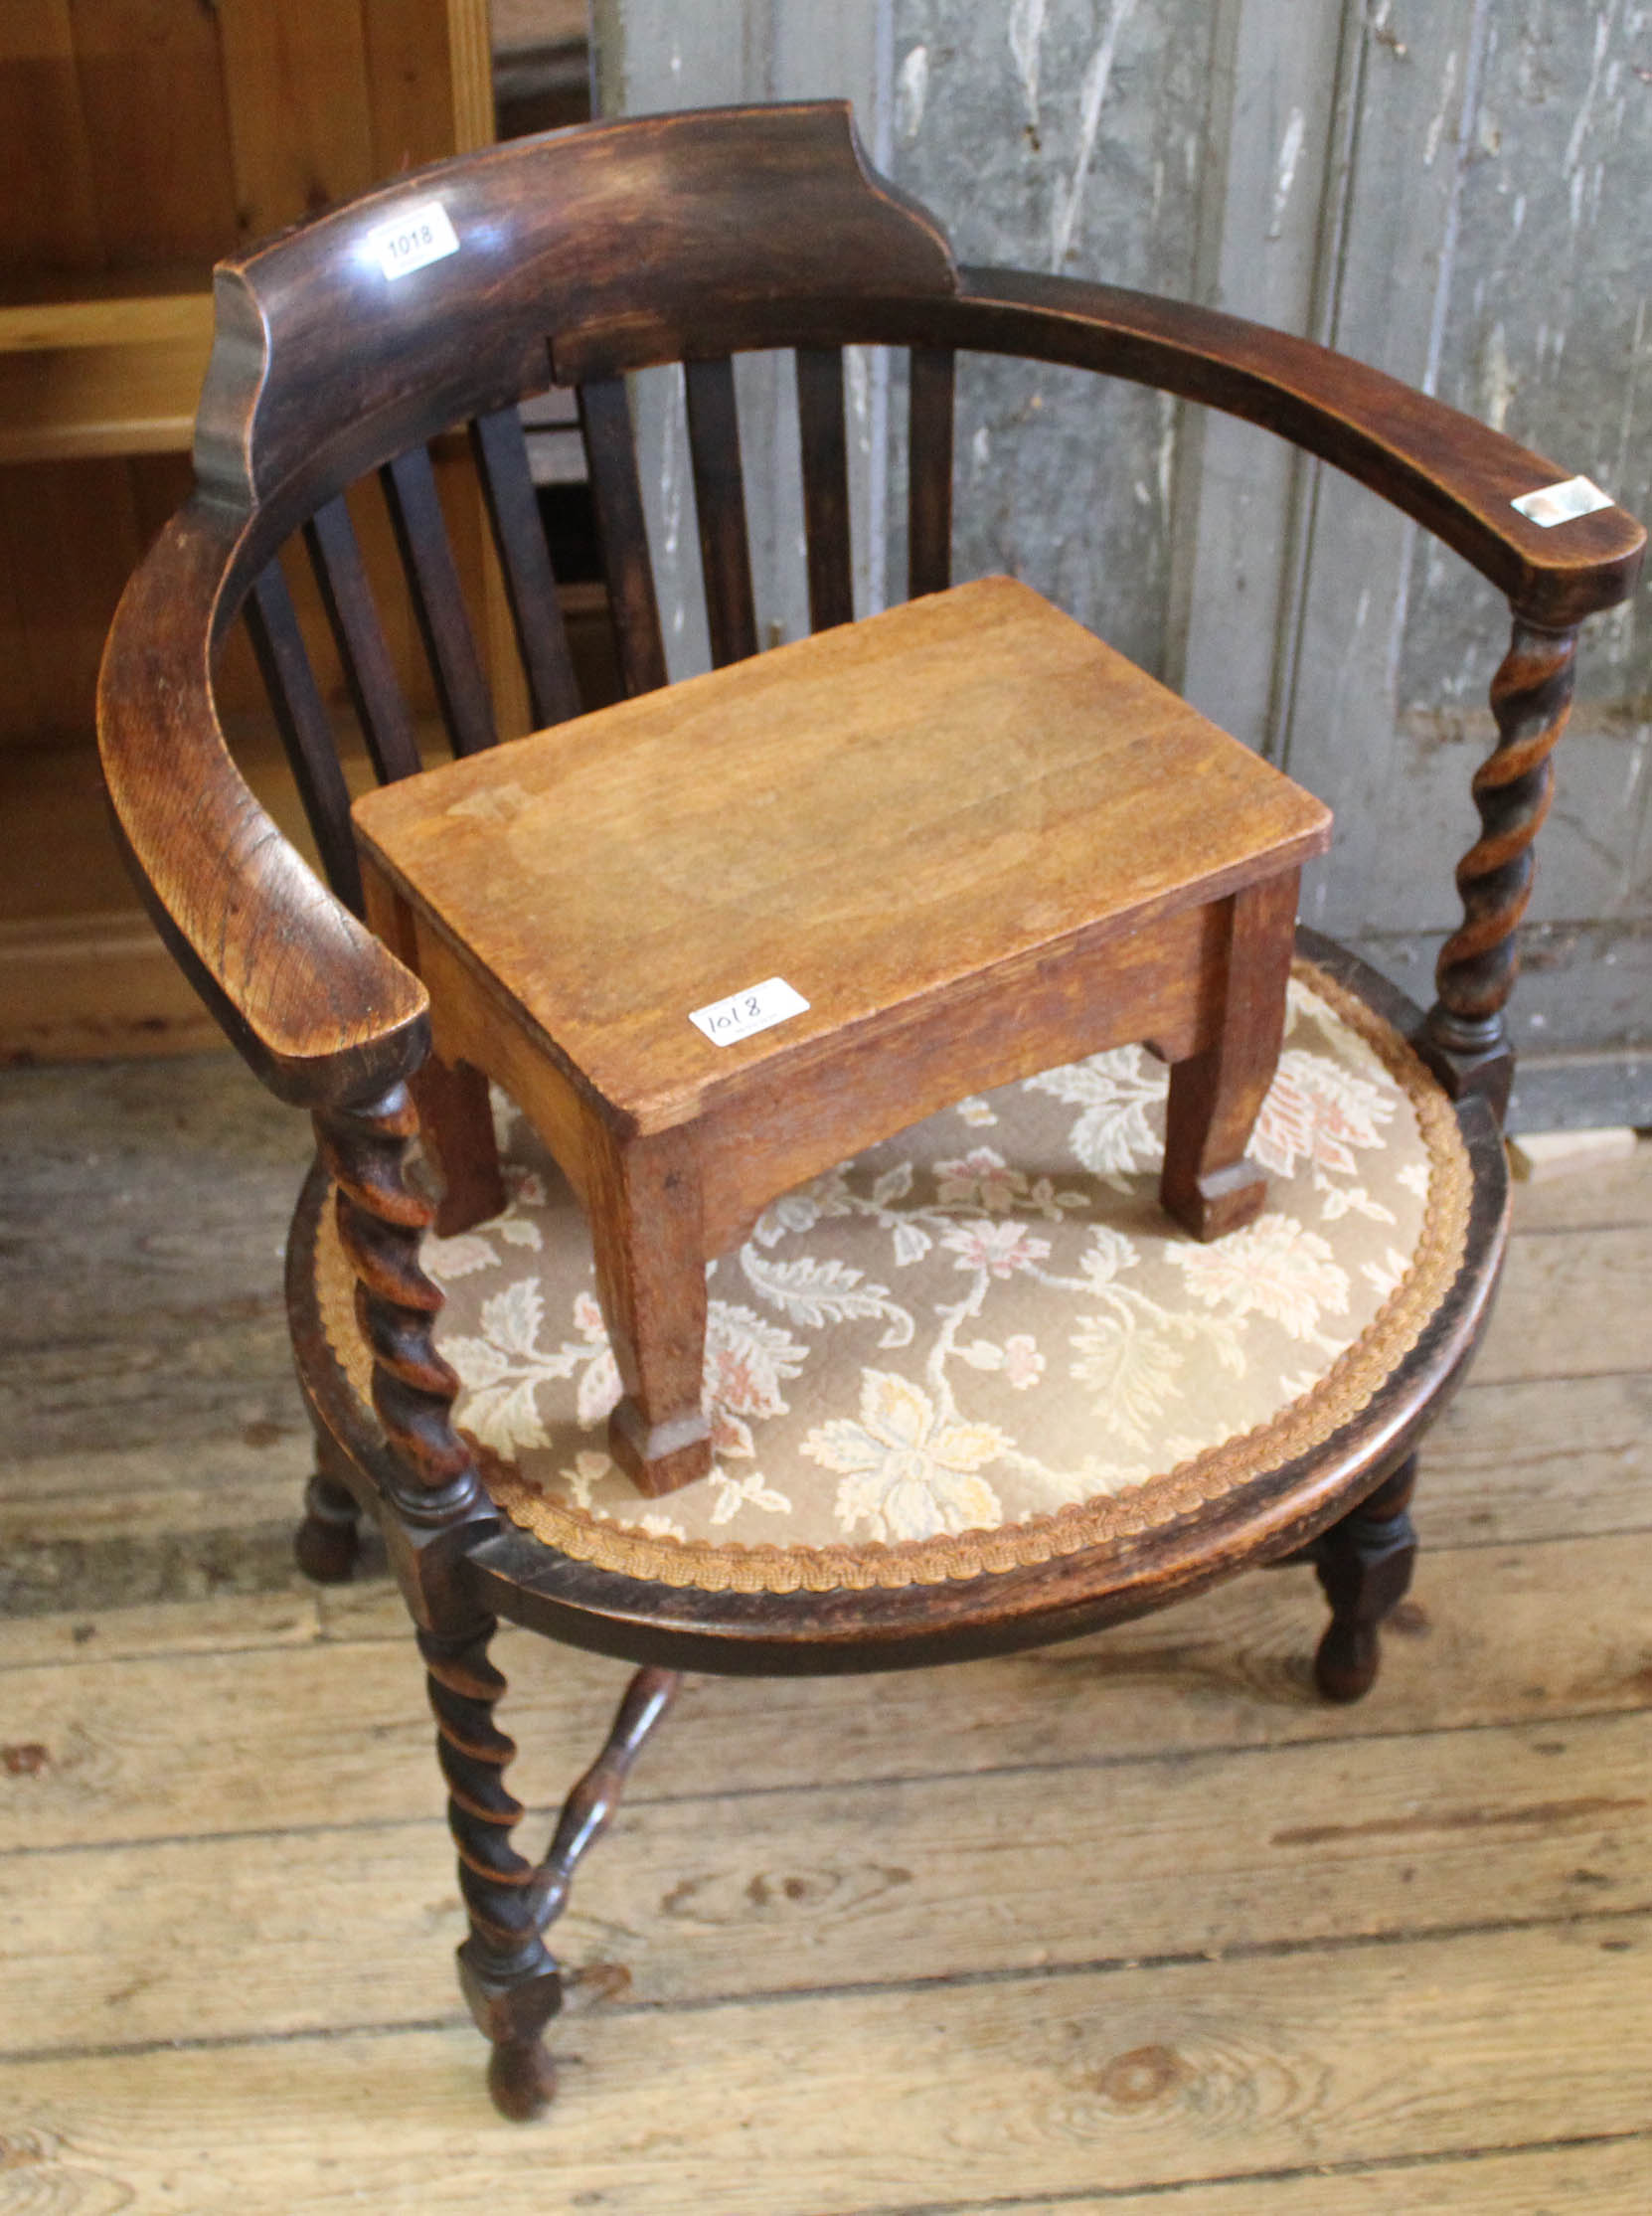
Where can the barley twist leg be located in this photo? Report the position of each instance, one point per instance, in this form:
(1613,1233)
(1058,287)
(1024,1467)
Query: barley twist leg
(506,1972)
(510,1979)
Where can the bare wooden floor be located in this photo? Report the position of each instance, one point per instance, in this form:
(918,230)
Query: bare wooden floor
(1133,1927)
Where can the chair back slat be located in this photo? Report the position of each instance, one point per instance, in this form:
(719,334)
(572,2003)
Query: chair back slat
(825,486)
(611,459)
(439,605)
(719,506)
(501,453)
(364,654)
(929,471)
(306,734)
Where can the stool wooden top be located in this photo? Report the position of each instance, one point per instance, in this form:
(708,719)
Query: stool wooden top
(874,814)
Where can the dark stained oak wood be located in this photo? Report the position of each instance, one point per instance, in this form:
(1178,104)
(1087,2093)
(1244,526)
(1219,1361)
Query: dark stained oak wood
(767,210)
(719,507)
(347,597)
(583,255)
(327,1543)
(610,455)
(414,506)
(382,1219)
(1364,1563)
(824,440)
(509,1979)
(250,923)
(1466,1039)
(501,453)
(930,398)
(301,718)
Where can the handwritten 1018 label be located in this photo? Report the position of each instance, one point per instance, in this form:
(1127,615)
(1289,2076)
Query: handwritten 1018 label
(725,1022)
(414,239)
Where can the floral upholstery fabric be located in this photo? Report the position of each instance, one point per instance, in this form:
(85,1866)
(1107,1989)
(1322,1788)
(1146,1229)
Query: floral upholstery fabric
(980,1343)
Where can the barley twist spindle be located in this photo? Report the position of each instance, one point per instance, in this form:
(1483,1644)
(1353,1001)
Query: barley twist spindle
(1531,695)
(382,1219)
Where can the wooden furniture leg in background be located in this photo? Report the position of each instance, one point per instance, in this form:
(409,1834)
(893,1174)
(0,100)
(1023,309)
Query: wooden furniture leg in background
(328,1541)
(1364,1565)
(1208,1184)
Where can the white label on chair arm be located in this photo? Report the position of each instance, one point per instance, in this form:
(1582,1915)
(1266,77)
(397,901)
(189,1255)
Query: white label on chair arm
(1562,503)
(726,1021)
(412,239)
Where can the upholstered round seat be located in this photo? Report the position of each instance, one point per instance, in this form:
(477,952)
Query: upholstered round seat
(980,1345)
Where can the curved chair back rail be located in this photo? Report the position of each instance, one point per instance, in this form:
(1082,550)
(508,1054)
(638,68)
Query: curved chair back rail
(583,255)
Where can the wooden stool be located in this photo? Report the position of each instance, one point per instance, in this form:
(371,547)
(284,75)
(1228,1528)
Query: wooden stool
(718,937)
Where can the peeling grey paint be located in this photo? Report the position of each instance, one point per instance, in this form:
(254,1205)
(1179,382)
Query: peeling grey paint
(1291,153)
(1066,133)
(1093,95)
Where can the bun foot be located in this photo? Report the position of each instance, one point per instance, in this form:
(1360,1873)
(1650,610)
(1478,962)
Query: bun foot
(1345,1667)
(522,2080)
(328,1541)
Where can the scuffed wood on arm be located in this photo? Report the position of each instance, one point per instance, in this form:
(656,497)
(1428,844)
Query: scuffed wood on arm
(1456,476)
(312,1001)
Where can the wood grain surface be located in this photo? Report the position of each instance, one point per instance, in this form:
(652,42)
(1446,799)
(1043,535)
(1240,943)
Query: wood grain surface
(872,814)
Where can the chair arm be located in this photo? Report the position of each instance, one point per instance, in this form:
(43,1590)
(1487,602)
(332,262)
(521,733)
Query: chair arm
(1452,474)
(308,996)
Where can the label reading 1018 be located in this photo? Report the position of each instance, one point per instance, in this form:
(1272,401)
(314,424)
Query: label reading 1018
(726,1021)
(414,238)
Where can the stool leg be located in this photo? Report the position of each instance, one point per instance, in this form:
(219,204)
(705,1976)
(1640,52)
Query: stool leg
(1364,1565)
(1208,1185)
(645,1200)
(456,1123)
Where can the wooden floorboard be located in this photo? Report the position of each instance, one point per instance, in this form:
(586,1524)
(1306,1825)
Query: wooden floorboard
(873,2099)
(1134,1926)
(906,1881)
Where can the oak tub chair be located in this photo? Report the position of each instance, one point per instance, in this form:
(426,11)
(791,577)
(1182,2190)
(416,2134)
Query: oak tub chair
(579,258)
